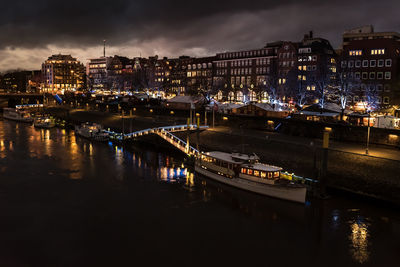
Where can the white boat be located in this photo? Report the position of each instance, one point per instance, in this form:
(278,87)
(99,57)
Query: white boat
(92,131)
(44,122)
(245,172)
(14,114)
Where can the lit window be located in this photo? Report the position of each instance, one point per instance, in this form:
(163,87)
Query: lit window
(263,175)
(355,53)
(256,173)
(377,51)
(249,171)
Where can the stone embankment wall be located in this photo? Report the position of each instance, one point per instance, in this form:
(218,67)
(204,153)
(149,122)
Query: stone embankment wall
(357,173)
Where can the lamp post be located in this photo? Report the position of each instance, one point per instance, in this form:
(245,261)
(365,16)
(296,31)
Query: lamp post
(368,134)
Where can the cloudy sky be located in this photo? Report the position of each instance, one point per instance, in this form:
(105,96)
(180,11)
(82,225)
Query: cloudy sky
(30,31)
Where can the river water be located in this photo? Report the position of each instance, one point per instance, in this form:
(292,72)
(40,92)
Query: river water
(65,201)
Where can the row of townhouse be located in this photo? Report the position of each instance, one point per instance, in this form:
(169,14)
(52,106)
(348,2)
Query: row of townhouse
(303,72)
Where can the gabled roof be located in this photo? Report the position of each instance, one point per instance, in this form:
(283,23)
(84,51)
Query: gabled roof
(186,99)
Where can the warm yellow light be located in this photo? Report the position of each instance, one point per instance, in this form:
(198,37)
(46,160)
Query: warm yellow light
(225,118)
(172,112)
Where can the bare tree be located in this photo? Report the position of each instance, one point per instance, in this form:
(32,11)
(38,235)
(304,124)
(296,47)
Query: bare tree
(295,88)
(343,89)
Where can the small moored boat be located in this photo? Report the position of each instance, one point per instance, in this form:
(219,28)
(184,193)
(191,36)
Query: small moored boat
(245,172)
(14,114)
(44,122)
(92,131)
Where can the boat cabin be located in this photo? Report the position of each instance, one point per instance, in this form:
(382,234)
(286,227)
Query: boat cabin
(261,173)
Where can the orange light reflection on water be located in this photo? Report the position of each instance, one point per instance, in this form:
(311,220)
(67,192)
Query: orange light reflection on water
(359,236)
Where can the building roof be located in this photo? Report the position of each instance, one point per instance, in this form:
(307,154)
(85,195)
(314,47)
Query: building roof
(318,114)
(264,106)
(228,106)
(328,107)
(186,99)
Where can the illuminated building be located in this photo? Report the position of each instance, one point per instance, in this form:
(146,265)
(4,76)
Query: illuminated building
(20,81)
(119,74)
(241,73)
(62,73)
(199,76)
(370,62)
(97,73)
(273,73)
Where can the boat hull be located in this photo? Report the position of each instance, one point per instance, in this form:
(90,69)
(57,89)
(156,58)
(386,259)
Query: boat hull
(295,194)
(27,120)
(98,138)
(44,126)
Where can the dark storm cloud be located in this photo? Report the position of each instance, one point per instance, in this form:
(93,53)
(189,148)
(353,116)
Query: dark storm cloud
(177,27)
(30,23)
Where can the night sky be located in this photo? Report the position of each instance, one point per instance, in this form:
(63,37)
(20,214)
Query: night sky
(30,31)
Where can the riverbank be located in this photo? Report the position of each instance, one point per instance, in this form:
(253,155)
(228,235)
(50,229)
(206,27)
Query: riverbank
(367,175)
(116,122)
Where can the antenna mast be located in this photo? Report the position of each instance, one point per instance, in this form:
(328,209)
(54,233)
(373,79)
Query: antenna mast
(104,48)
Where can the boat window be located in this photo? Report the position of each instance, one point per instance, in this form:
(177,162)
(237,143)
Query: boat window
(244,170)
(270,175)
(263,174)
(276,174)
(249,171)
(208,159)
(257,173)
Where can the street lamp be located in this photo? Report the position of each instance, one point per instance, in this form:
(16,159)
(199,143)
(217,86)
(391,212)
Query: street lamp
(368,134)
(369,127)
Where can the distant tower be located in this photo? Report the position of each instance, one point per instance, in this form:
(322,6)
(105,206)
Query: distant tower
(104,48)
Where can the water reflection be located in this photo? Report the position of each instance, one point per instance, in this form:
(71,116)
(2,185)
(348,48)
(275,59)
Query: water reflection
(152,173)
(359,236)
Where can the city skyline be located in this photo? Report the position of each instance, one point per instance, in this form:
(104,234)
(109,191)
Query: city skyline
(174,28)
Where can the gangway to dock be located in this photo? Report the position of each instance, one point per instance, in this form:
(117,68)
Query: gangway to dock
(166,134)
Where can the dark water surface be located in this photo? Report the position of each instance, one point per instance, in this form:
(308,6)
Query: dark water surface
(67,202)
